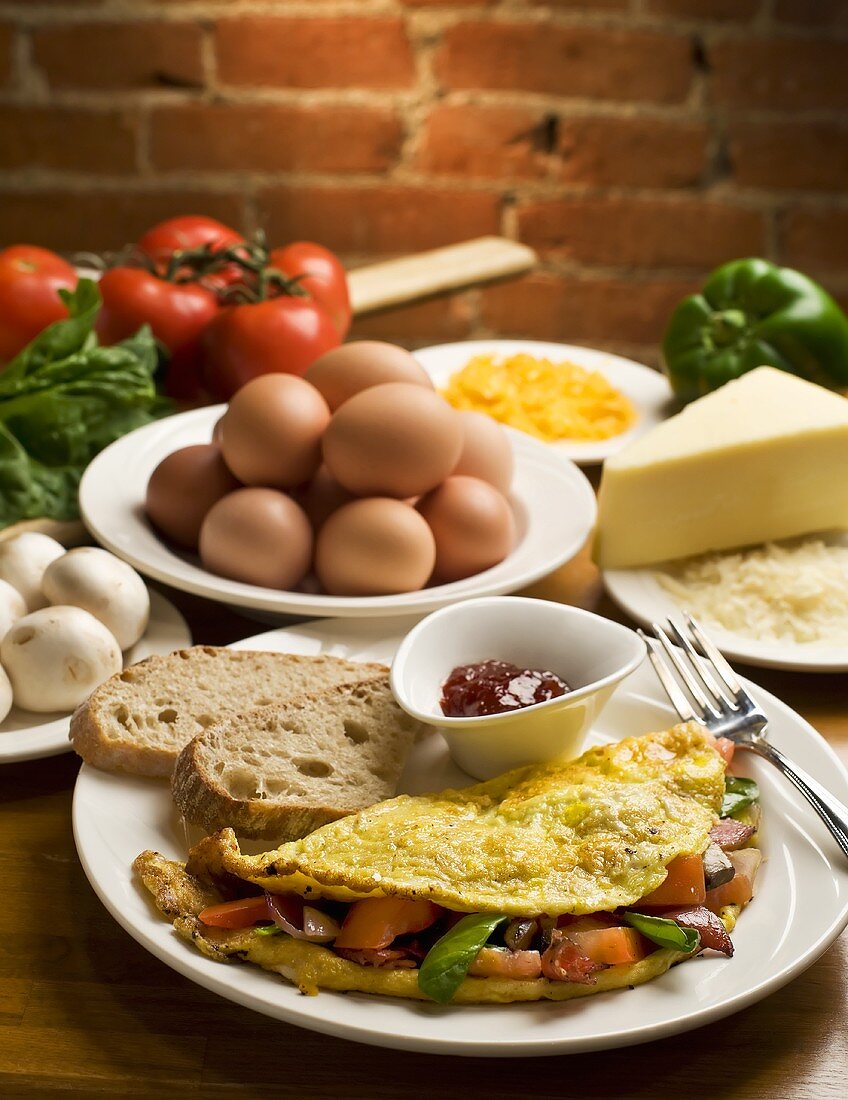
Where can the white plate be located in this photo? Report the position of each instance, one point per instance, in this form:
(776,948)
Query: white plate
(553,503)
(25,735)
(639,593)
(800,908)
(648,390)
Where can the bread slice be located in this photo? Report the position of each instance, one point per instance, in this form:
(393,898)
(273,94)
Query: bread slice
(138,720)
(278,772)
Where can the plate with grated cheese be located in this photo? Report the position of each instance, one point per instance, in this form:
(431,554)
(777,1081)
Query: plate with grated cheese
(584,403)
(778,605)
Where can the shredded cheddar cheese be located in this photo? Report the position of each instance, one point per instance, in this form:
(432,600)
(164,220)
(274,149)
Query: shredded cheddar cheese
(552,401)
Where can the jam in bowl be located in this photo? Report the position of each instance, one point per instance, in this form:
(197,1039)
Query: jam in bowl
(495,687)
(486,732)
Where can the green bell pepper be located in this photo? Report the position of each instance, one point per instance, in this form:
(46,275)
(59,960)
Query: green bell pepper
(749,314)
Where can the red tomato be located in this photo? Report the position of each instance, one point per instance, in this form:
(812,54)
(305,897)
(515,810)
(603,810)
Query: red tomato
(280,335)
(375,922)
(683,885)
(184,233)
(30,281)
(187,232)
(241,913)
(611,946)
(178,313)
(323,276)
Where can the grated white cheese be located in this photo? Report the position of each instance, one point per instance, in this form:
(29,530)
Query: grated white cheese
(794,591)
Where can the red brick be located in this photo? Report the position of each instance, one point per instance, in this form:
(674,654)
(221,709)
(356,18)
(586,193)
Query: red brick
(641,232)
(485,142)
(774,73)
(447,3)
(790,155)
(120,55)
(580,5)
(606,63)
(583,310)
(76,140)
(435,322)
(815,238)
(100,220)
(705,9)
(821,13)
(328,52)
(513,142)
(635,152)
(6,40)
(275,138)
(378,221)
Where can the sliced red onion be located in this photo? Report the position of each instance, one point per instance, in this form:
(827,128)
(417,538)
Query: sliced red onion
(300,921)
(287,913)
(318,927)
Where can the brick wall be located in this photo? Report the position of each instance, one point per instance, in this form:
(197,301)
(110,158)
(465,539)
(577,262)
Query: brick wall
(634,143)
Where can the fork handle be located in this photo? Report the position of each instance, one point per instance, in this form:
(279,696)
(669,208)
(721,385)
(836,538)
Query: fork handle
(832,812)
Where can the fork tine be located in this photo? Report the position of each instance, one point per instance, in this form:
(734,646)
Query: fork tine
(678,700)
(691,684)
(701,667)
(711,653)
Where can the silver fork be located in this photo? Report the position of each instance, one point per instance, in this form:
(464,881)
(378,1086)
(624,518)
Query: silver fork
(714,697)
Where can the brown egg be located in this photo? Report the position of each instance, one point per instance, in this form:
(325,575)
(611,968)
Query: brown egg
(322,496)
(183,488)
(217,429)
(351,368)
(393,440)
(374,547)
(486,451)
(271,433)
(472,524)
(259,536)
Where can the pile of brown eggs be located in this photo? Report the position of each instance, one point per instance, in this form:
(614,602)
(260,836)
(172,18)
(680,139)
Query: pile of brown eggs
(359,474)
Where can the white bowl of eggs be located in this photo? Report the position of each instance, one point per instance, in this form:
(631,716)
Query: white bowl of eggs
(354,491)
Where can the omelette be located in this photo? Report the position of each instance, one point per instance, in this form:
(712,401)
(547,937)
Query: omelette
(549,882)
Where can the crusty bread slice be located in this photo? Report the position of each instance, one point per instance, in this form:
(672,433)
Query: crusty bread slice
(278,772)
(140,719)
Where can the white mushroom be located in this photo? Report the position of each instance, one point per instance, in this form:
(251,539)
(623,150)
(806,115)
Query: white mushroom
(23,560)
(103,585)
(56,657)
(12,607)
(5,694)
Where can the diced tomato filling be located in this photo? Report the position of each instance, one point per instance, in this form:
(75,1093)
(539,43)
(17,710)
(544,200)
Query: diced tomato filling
(611,946)
(381,932)
(684,885)
(241,913)
(375,922)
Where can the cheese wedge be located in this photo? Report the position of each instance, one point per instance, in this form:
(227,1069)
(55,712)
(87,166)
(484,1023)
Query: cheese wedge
(764,457)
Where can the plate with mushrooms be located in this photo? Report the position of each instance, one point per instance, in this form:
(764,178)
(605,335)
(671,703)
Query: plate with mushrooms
(69,619)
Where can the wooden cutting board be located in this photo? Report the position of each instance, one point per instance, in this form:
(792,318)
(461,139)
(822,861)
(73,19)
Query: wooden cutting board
(376,288)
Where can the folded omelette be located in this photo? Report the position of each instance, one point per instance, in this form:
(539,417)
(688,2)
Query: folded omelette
(551,881)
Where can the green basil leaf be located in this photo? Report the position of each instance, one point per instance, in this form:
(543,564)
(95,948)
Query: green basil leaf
(59,340)
(267,930)
(62,400)
(738,793)
(664,932)
(446,965)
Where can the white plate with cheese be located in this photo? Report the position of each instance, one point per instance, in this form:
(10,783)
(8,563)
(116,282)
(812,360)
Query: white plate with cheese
(640,593)
(647,390)
(800,908)
(761,461)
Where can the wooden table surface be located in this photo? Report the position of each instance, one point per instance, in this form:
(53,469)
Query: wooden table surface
(85,1008)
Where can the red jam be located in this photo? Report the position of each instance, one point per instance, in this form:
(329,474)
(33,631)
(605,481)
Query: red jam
(494,687)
